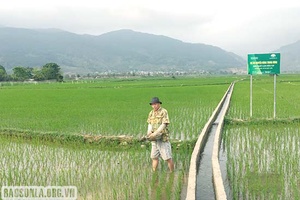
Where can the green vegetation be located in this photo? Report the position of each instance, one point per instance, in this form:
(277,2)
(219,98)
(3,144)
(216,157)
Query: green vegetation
(3,73)
(287,97)
(262,152)
(263,161)
(50,71)
(68,134)
(98,174)
(43,124)
(110,107)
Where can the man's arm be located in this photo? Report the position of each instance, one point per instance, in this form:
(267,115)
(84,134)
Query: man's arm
(149,131)
(157,133)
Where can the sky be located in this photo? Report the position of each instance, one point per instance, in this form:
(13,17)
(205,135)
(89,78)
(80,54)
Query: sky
(241,27)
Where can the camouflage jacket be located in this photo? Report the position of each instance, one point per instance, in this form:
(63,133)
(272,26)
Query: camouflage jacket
(156,118)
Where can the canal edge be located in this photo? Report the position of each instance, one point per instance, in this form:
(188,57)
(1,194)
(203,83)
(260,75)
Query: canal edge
(194,162)
(219,188)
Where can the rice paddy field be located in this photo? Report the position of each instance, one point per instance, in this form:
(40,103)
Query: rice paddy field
(108,107)
(263,152)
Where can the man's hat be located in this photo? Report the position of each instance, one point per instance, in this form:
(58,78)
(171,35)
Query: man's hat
(155,100)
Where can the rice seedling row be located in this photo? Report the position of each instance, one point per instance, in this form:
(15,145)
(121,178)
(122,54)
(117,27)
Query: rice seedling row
(262,152)
(263,162)
(97,174)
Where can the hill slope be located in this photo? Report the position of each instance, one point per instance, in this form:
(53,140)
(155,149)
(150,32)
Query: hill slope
(290,57)
(122,50)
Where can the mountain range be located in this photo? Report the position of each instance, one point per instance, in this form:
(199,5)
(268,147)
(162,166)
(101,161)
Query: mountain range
(290,57)
(118,51)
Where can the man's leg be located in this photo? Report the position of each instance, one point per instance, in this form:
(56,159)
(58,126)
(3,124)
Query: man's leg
(155,162)
(170,164)
(154,156)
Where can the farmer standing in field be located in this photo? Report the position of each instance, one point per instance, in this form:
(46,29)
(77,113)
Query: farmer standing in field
(158,134)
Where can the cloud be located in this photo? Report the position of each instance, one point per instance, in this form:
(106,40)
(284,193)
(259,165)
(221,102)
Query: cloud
(176,25)
(97,21)
(264,33)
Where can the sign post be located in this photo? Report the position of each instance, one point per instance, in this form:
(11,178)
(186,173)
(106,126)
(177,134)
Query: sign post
(268,63)
(274,96)
(251,96)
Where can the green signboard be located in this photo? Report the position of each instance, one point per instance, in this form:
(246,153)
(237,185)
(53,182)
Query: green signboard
(268,63)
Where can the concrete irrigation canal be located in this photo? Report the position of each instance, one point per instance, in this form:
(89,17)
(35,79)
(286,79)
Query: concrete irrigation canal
(205,179)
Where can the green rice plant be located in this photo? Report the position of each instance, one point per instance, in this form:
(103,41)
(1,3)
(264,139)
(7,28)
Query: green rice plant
(263,161)
(105,107)
(96,173)
(287,95)
(110,107)
(262,151)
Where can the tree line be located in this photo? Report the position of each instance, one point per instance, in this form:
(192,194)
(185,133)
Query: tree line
(50,71)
